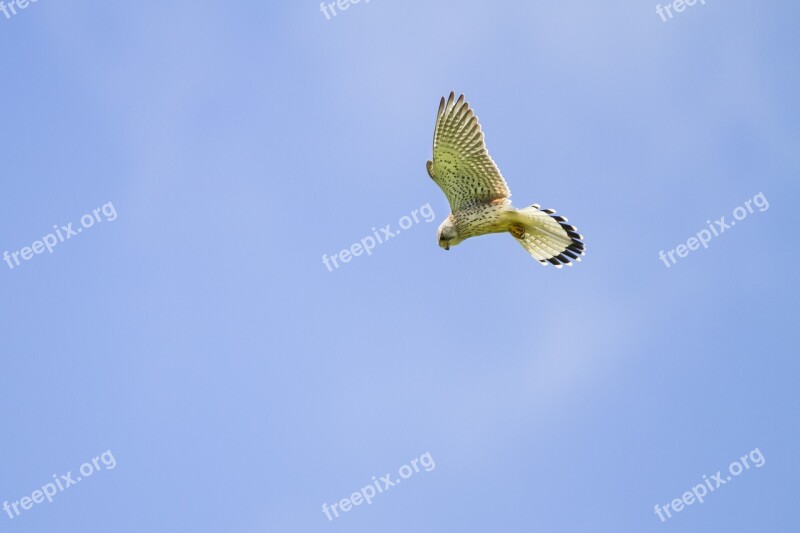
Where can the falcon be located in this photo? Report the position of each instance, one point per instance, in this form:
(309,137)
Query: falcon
(479,197)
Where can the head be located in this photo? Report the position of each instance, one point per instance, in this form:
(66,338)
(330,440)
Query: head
(447,234)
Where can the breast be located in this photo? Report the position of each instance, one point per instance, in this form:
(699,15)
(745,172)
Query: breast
(482,219)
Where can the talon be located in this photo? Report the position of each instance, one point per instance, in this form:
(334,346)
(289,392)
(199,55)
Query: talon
(517,231)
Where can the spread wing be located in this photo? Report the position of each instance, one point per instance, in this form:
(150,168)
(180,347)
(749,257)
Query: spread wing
(461,164)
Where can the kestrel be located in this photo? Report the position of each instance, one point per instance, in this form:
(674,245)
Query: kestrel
(479,196)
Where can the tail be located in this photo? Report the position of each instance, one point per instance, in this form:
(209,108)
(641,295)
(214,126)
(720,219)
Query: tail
(547,237)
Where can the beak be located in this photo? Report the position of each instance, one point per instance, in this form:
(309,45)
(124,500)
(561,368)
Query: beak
(446,246)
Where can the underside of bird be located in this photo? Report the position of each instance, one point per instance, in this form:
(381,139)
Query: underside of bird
(479,196)
(543,234)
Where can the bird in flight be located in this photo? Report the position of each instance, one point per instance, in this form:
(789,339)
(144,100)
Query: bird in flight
(479,197)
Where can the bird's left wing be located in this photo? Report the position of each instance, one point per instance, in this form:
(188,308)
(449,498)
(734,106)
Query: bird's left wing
(461,164)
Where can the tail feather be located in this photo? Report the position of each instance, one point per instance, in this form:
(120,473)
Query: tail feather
(548,237)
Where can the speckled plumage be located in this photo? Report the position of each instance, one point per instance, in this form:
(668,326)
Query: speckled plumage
(479,196)
(482,218)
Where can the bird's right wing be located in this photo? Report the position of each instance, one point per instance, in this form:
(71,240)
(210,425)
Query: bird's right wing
(461,164)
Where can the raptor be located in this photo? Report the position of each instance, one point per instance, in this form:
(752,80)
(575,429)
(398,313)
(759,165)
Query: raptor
(479,196)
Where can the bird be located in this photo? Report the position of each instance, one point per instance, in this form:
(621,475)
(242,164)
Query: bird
(479,196)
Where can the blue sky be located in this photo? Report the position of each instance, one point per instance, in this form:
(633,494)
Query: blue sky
(239,384)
